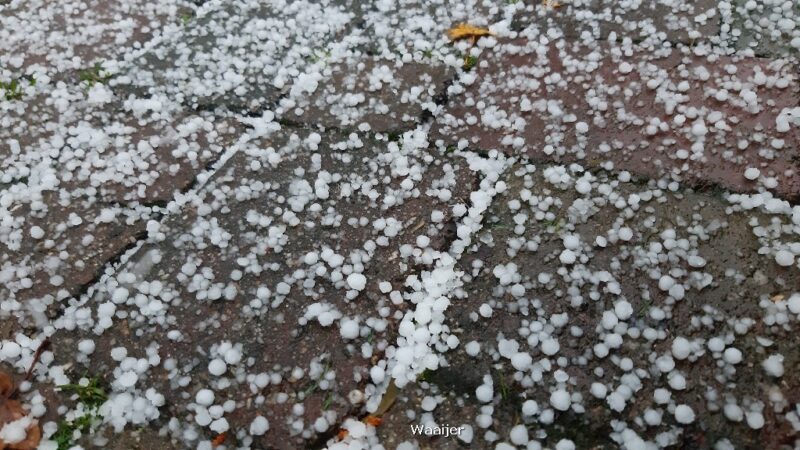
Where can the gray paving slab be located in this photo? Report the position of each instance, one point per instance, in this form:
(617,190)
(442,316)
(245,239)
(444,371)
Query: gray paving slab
(764,28)
(383,95)
(63,38)
(109,152)
(234,56)
(247,287)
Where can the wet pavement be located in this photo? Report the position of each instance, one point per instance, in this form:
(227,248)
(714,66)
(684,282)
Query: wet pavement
(249,223)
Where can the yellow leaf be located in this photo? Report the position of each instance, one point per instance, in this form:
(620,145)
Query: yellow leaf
(388,399)
(464,31)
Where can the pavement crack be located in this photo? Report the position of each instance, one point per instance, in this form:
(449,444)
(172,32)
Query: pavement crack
(85,290)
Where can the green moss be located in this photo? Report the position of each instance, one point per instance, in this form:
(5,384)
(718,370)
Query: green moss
(314,385)
(94,74)
(469,62)
(641,313)
(394,136)
(425,376)
(498,225)
(326,404)
(13,88)
(65,434)
(90,396)
(318,55)
(502,385)
(553,226)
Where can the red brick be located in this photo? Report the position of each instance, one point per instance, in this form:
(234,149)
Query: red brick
(631,106)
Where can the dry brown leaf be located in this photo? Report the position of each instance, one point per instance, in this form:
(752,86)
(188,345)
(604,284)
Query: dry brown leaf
(219,440)
(11,410)
(6,385)
(375,419)
(777,297)
(551,4)
(465,30)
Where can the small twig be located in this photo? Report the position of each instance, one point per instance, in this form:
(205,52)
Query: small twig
(45,343)
(36,356)
(418,225)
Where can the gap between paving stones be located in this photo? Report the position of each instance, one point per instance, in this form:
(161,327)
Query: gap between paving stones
(86,290)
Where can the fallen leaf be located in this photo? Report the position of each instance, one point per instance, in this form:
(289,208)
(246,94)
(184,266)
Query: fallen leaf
(464,31)
(777,297)
(219,439)
(6,385)
(372,420)
(12,410)
(388,399)
(375,419)
(551,4)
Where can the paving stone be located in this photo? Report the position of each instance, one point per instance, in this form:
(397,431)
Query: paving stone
(401,27)
(738,282)
(529,101)
(680,21)
(759,30)
(88,183)
(234,56)
(107,153)
(373,92)
(65,37)
(180,67)
(208,258)
(79,238)
(228,228)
